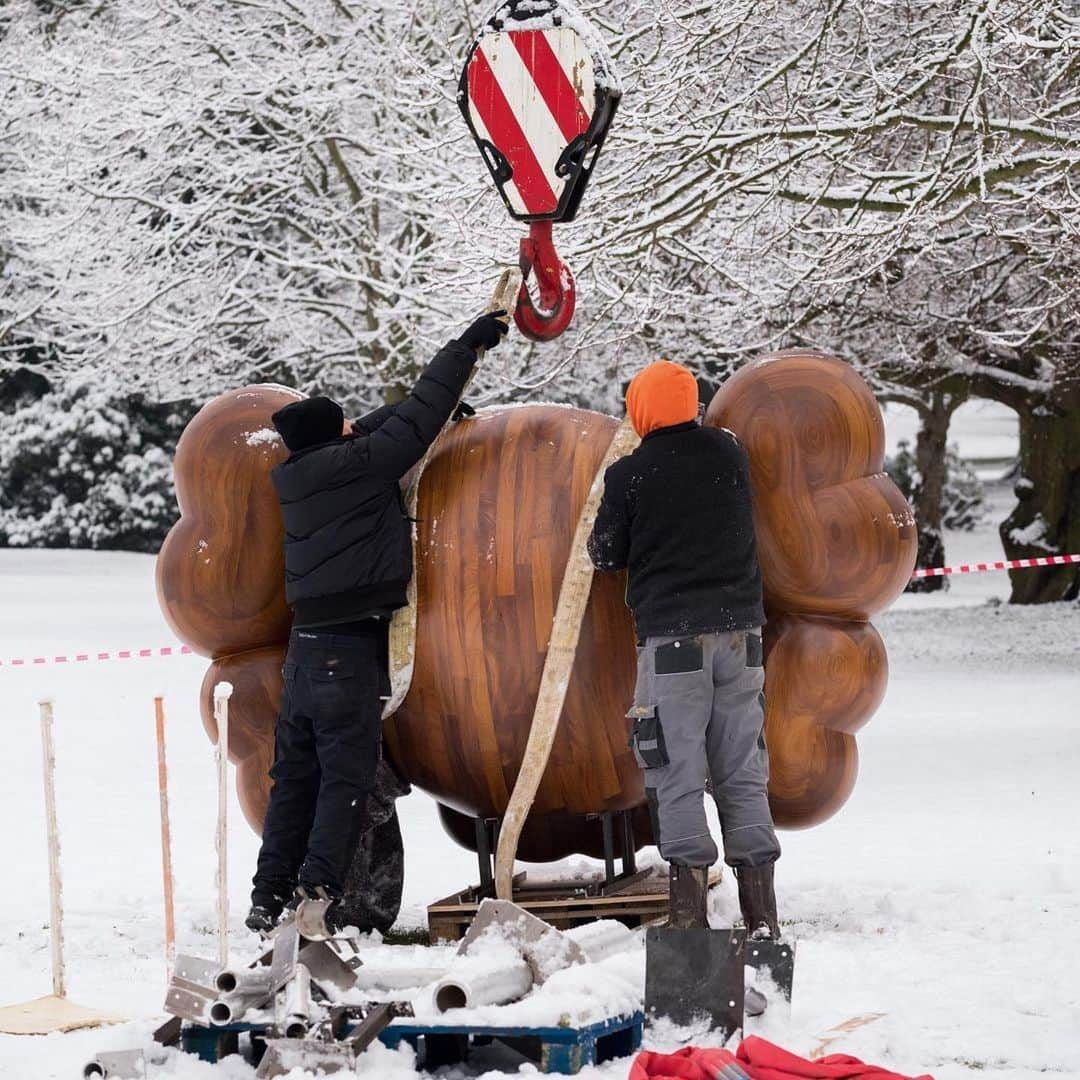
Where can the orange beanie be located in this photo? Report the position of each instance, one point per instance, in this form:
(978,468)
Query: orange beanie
(660,396)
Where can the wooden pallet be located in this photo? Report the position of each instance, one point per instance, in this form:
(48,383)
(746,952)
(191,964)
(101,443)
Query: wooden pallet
(640,902)
(553,1050)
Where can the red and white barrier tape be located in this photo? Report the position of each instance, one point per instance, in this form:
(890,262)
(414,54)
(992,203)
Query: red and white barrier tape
(183,650)
(120,654)
(983,567)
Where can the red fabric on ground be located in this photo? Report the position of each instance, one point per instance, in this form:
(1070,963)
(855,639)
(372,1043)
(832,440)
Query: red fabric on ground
(689,1063)
(761,1060)
(764,1060)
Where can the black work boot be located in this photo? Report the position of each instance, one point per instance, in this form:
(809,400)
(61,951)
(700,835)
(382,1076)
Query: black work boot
(265,913)
(688,895)
(758,902)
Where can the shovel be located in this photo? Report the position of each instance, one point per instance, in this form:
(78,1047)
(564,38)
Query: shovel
(694,976)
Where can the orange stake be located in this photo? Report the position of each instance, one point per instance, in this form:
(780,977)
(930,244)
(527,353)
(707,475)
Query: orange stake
(166,838)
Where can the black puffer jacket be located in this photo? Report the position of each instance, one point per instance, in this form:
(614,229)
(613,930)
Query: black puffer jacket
(677,513)
(348,541)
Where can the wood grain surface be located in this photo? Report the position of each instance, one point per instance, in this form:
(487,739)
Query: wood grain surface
(836,543)
(835,535)
(257,684)
(221,571)
(498,505)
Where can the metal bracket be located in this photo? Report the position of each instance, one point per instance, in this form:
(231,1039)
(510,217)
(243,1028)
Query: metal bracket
(191,989)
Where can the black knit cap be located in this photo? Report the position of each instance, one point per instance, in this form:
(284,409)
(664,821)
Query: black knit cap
(309,422)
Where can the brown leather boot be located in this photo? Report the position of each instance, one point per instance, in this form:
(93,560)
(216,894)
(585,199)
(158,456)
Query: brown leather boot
(688,895)
(757,901)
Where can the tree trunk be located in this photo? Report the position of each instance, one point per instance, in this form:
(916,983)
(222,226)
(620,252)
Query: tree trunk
(926,497)
(1046,518)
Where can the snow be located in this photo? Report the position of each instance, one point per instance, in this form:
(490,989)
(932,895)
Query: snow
(263,437)
(986,433)
(944,896)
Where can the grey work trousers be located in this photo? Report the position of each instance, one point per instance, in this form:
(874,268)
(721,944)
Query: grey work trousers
(699,712)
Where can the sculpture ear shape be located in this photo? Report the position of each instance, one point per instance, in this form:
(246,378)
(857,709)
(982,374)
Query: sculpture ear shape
(836,542)
(221,571)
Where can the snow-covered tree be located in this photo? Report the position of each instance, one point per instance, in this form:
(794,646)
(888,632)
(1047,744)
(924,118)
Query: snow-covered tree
(193,194)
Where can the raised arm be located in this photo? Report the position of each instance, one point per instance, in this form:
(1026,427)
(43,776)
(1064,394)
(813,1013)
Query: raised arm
(402,438)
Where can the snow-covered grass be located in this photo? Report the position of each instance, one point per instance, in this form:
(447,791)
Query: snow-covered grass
(943,896)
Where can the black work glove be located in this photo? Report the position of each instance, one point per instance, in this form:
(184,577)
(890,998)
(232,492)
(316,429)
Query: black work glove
(486,332)
(463,411)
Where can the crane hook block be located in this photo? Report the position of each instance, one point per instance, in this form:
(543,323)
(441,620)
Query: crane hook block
(539,93)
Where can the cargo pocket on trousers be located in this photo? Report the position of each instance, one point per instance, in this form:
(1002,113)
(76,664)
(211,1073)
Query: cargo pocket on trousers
(679,657)
(647,737)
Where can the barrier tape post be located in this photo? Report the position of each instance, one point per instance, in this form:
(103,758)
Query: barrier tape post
(166,838)
(56,904)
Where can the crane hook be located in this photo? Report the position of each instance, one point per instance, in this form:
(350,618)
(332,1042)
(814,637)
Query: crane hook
(554,282)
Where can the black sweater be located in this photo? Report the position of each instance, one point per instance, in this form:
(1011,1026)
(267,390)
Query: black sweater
(676,513)
(348,540)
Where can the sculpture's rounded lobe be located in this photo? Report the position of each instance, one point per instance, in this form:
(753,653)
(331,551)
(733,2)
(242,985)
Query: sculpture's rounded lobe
(498,505)
(253,708)
(221,571)
(835,535)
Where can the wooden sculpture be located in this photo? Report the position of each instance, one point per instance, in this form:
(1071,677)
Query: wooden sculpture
(498,504)
(836,542)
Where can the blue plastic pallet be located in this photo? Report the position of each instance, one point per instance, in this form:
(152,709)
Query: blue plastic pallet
(553,1049)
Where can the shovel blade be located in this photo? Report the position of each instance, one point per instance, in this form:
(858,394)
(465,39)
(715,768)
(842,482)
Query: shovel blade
(695,975)
(776,961)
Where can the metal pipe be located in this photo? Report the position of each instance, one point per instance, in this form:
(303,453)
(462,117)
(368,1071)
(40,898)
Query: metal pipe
(601,939)
(478,980)
(297,1020)
(222,693)
(399,977)
(166,838)
(245,982)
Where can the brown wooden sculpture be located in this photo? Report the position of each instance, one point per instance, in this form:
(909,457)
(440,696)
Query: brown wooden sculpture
(497,508)
(836,542)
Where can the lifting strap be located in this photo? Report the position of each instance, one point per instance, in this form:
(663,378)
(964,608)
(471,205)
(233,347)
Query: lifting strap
(555,680)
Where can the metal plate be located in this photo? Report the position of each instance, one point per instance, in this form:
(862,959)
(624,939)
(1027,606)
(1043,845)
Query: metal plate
(284,1055)
(191,989)
(117,1065)
(775,960)
(286,952)
(527,932)
(695,975)
(328,969)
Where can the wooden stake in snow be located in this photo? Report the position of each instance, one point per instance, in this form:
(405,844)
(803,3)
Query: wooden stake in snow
(166,838)
(222,693)
(562,648)
(56,902)
(45,1015)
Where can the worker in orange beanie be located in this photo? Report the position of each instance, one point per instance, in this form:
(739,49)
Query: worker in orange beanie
(676,514)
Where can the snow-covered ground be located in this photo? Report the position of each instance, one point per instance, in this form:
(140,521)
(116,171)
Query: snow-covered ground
(945,895)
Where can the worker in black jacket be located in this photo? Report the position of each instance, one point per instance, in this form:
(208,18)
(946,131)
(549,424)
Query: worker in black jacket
(348,560)
(676,514)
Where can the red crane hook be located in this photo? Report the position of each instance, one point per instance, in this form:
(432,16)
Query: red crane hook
(554,282)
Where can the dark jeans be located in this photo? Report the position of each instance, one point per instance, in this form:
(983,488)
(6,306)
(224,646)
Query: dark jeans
(328,745)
